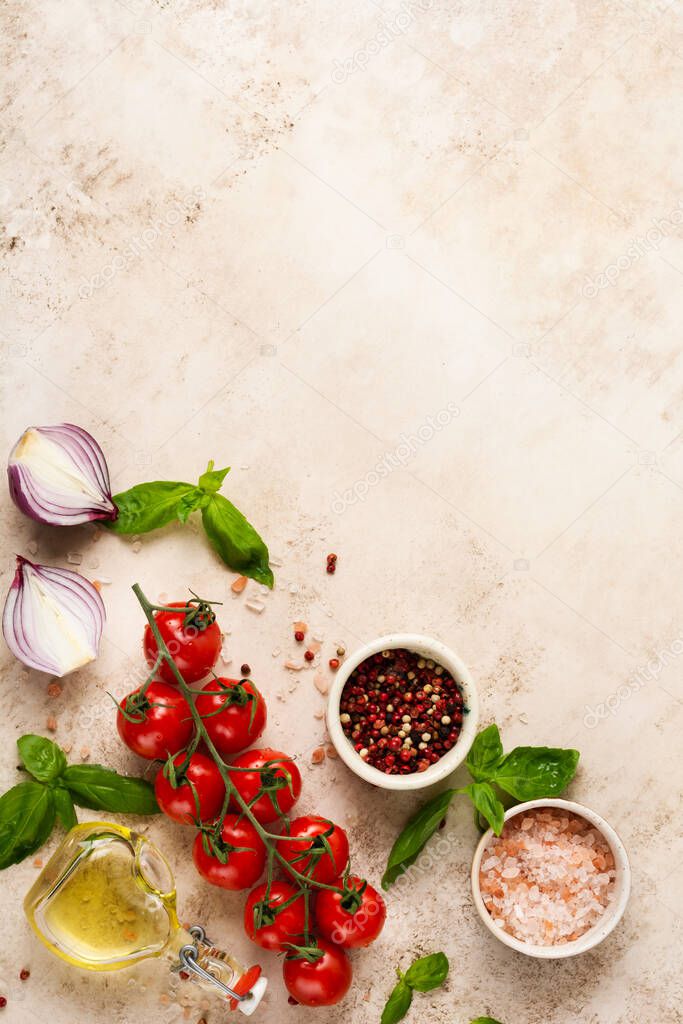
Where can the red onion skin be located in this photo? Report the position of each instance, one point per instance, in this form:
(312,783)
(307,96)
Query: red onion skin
(82,448)
(17,637)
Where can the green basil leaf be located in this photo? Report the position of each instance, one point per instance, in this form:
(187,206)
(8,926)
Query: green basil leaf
(398,1004)
(41,757)
(485,753)
(484,1020)
(27,815)
(235,540)
(212,480)
(412,839)
(189,503)
(64,807)
(529,773)
(484,798)
(428,972)
(148,506)
(102,789)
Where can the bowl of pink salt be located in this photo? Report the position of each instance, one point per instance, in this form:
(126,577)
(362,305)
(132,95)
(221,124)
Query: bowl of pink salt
(556,881)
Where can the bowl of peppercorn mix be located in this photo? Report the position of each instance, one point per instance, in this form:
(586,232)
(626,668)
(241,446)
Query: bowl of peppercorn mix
(403,711)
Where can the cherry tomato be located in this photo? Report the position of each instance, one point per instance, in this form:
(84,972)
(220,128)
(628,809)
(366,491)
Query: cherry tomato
(241,846)
(179,803)
(281,779)
(353,918)
(194,647)
(321,983)
(276,929)
(316,859)
(234,714)
(156,725)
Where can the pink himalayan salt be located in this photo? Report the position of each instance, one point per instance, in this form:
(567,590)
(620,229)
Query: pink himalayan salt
(548,878)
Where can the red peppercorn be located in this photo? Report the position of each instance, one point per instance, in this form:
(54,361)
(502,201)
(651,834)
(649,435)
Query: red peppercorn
(334,664)
(332,557)
(299,636)
(24,974)
(3,1002)
(309,655)
(331,568)
(245,669)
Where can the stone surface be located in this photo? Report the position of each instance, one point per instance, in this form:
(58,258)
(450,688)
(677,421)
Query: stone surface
(315,240)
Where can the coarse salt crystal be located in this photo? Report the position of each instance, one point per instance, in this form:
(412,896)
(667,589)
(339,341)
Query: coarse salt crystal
(255,606)
(74,557)
(544,879)
(238,585)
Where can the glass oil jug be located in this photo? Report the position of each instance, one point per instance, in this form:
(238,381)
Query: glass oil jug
(106,900)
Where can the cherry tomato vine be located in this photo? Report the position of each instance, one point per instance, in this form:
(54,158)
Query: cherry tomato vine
(234,803)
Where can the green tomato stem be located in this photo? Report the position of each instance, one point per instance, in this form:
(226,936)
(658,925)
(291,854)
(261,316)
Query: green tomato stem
(268,838)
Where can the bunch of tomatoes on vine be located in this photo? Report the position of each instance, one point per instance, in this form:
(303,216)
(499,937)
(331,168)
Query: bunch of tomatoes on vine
(238,798)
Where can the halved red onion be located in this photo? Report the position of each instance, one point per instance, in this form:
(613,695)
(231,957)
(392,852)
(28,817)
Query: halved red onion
(53,618)
(59,475)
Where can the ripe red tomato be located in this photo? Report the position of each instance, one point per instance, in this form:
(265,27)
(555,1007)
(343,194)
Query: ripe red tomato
(234,714)
(280,779)
(200,778)
(157,725)
(316,859)
(275,930)
(353,918)
(241,846)
(321,983)
(194,647)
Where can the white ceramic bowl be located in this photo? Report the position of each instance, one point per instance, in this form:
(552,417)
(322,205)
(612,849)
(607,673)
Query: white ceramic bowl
(426,648)
(613,913)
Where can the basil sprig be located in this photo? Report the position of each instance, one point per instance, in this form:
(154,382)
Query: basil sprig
(29,810)
(149,506)
(422,976)
(526,773)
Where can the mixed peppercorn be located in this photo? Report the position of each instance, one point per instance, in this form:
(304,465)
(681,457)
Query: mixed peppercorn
(401,712)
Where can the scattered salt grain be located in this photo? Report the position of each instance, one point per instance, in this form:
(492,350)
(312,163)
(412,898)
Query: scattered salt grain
(294,666)
(94,563)
(321,683)
(255,606)
(137,547)
(332,752)
(275,563)
(32,547)
(319,715)
(238,585)
(54,690)
(275,652)
(74,557)
(548,878)
(104,580)
(51,723)
(524,719)
(318,755)
(293,588)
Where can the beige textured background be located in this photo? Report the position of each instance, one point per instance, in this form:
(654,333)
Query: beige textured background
(283,235)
